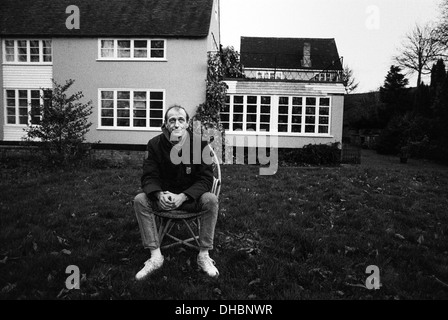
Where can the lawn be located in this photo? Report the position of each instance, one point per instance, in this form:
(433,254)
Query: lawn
(303,233)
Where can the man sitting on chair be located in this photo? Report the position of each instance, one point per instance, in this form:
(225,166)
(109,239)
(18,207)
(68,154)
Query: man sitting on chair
(168,186)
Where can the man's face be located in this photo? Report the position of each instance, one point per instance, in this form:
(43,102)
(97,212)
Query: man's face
(176,123)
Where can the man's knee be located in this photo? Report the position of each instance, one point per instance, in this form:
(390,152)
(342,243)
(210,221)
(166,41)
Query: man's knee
(209,199)
(141,199)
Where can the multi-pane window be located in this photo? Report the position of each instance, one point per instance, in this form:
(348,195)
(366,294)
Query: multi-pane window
(157,49)
(296,117)
(23,106)
(9,50)
(238,112)
(132,49)
(46,45)
(225,114)
(141,49)
(140,107)
(310,115)
(123,108)
(22,48)
(107,49)
(324,115)
(246,113)
(123,48)
(27,51)
(282,114)
(131,108)
(251,113)
(265,113)
(290,114)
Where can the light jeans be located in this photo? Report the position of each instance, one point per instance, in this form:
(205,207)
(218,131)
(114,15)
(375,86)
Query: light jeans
(207,204)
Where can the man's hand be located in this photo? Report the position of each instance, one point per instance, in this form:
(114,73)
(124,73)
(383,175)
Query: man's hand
(164,200)
(176,200)
(171,201)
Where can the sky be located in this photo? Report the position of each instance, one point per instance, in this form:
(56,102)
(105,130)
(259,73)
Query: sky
(368,33)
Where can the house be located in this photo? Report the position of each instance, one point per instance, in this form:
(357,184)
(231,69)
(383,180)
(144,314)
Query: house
(292,90)
(131,58)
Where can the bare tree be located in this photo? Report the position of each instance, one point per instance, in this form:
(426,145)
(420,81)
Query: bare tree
(348,80)
(442,27)
(421,48)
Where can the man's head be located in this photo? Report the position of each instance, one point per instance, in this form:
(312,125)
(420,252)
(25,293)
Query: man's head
(176,121)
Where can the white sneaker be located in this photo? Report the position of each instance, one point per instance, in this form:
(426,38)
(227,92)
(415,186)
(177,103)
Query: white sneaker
(207,265)
(151,265)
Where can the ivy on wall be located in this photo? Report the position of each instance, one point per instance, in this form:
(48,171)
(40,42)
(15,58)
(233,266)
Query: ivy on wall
(207,120)
(223,64)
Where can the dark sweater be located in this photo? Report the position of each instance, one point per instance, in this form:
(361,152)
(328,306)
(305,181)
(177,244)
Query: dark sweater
(161,174)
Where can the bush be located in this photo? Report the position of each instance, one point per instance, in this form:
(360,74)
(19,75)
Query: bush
(61,130)
(390,139)
(312,154)
(437,150)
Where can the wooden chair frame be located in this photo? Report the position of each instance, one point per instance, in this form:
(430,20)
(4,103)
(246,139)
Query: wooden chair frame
(166,220)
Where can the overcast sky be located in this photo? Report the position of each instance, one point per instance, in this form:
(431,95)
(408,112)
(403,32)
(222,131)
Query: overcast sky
(368,33)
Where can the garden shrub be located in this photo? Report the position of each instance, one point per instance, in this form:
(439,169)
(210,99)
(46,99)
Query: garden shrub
(311,154)
(62,124)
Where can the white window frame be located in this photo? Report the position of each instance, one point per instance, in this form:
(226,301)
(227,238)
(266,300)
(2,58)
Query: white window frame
(17,107)
(131,109)
(132,58)
(273,130)
(258,114)
(318,115)
(28,52)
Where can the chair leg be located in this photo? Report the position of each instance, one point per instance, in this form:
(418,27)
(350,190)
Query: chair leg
(165,227)
(195,237)
(179,242)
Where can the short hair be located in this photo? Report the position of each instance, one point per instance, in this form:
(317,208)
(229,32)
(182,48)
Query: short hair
(176,107)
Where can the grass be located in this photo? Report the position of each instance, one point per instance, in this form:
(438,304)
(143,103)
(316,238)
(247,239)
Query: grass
(304,233)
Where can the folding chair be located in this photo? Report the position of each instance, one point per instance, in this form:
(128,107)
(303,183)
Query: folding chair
(166,220)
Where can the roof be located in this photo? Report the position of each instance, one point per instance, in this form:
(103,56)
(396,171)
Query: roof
(160,18)
(287,53)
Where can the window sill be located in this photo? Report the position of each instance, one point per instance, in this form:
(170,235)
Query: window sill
(15,125)
(128,129)
(131,60)
(280,134)
(27,63)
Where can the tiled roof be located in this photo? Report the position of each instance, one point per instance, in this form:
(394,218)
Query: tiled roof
(287,53)
(167,18)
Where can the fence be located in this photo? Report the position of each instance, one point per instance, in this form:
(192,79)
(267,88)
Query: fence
(351,154)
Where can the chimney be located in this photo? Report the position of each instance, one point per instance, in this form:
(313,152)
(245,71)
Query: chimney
(306,62)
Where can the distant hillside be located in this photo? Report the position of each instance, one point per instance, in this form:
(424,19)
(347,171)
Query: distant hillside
(361,110)
(366,111)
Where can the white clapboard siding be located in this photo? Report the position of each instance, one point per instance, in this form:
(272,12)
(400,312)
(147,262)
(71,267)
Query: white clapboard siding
(285,88)
(13,133)
(27,77)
